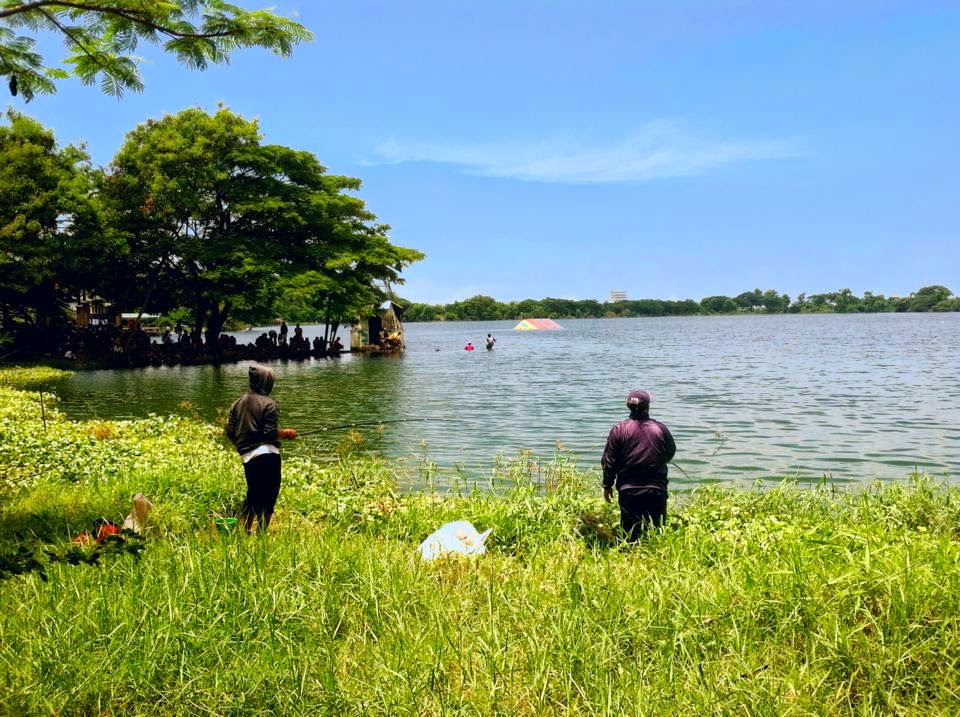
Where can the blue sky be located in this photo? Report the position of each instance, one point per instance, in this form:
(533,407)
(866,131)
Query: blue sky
(669,148)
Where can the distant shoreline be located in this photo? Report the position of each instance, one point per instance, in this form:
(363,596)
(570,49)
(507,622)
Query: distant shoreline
(934,298)
(740,314)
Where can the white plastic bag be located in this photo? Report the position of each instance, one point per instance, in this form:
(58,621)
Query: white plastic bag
(137,520)
(457,537)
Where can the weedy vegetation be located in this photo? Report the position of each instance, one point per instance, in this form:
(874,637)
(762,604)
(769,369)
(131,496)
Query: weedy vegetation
(776,600)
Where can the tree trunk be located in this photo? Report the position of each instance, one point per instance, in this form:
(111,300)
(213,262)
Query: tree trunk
(326,323)
(199,317)
(218,317)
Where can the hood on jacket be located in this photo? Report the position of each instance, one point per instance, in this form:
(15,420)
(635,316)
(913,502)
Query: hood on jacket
(261,380)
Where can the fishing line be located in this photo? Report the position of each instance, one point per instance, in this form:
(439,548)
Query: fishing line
(722,438)
(315,431)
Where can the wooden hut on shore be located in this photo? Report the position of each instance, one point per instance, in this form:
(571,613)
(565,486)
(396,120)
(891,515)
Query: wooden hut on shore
(379,332)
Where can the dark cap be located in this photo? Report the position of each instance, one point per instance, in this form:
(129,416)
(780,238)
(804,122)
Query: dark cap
(638,400)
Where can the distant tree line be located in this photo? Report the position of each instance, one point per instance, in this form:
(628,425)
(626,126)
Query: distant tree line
(844,301)
(195,218)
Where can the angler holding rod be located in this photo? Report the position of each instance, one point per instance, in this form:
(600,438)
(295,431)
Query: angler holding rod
(252,427)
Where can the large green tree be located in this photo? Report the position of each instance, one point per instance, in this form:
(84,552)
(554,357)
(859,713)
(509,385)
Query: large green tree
(769,300)
(101,37)
(930,298)
(476,308)
(718,305)
(222,224)
(51,241)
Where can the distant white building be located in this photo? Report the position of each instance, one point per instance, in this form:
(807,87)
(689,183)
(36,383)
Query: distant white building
(618,295)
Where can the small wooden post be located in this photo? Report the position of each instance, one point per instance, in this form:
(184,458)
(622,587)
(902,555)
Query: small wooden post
(43,413)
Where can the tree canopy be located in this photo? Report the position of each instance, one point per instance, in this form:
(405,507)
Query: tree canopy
(101,37)
(224,225)
(51,240)
(196,217)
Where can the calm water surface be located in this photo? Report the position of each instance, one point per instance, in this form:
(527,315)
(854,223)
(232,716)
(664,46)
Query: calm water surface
(747,397)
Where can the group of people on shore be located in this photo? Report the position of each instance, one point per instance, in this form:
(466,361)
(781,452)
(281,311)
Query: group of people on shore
(132,346)
(298,345)
(634,459)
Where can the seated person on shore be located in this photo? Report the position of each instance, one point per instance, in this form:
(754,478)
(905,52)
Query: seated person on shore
(337,346)
(317,345)
(299,343)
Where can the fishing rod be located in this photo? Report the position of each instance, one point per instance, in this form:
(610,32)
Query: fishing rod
(365,423)
(5,356)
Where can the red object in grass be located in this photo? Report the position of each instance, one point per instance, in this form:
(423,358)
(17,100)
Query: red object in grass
(102,530)
(106,530)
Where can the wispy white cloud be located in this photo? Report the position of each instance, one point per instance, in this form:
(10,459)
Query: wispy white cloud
(657,150)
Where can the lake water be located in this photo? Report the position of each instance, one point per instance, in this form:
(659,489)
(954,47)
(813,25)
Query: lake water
(852,397)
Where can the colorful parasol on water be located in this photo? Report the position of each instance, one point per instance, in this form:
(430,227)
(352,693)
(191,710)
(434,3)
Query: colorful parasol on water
(537,325)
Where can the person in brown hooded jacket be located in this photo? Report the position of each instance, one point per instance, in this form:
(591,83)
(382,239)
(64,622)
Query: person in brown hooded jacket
(252,428)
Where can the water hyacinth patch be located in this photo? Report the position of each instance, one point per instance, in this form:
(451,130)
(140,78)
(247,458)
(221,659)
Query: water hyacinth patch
(34,377)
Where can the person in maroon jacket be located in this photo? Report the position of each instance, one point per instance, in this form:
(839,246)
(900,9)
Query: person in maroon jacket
(635,462)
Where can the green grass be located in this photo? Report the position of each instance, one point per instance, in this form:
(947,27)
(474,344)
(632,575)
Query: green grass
(773,601)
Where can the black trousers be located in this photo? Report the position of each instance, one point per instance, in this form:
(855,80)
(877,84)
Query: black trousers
(640,508)
(263,484)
